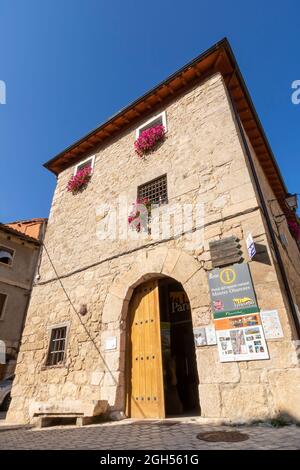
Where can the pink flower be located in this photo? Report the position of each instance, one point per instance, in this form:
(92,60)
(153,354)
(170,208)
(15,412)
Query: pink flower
(148,139)
(79,180)
(139,215)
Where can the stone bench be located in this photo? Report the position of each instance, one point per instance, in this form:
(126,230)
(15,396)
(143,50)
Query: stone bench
(44,414)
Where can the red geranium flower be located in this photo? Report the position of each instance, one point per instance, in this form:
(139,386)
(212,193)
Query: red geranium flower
(80,180)
(148,139)
(139,216)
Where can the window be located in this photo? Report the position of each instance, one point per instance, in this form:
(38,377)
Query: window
(160,119)
(6,255)
(155,191)
(85,163)
(56,352)
(3,298)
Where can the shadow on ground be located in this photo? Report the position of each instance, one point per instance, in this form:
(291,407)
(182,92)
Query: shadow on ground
(167,434)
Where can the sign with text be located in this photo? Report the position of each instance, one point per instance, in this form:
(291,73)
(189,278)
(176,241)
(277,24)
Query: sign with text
(179,302)
(232,291)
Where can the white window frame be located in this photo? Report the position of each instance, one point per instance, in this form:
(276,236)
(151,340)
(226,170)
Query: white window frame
(2,313)
(92,159)
(164,122)
(13,256)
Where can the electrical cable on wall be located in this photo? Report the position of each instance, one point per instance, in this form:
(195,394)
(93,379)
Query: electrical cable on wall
(78,315)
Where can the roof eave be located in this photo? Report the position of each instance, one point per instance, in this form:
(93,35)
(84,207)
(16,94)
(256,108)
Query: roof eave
(134,103)
(218,58)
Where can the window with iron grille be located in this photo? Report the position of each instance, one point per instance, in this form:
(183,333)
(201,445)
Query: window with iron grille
(56,352)
(156,191)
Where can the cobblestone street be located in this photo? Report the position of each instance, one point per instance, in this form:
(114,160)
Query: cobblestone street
(154,435)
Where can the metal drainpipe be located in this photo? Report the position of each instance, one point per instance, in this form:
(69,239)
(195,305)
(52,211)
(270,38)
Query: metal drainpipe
(268,220)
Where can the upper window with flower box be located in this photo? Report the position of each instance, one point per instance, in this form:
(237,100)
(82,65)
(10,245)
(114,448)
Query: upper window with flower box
(149,134)
(82,175)
(87,163)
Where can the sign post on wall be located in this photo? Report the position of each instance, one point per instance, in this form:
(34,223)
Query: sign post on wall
(250,246)
(239,332)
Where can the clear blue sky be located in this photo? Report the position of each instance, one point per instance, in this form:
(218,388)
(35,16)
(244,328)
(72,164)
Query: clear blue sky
(70,64)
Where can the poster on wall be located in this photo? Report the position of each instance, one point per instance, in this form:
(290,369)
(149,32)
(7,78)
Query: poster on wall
(271,324)
(205,336)
(232,291)
(241,338)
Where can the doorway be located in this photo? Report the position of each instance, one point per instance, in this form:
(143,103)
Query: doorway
(162,376)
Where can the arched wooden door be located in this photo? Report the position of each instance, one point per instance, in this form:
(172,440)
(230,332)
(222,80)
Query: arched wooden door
(145,389)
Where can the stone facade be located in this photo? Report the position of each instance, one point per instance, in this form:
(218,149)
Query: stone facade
(202,157)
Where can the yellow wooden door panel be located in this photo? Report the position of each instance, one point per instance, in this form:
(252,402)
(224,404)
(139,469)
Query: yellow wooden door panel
(145,387)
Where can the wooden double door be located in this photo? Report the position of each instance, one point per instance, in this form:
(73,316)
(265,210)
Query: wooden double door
(145,388)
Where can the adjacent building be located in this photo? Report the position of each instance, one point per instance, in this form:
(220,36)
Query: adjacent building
(20,244)
(194,311)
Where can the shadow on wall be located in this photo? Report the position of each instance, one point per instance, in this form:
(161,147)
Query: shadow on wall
(262,255)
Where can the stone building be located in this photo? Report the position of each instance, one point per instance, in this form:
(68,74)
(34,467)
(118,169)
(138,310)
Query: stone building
(20,244)
(111,323)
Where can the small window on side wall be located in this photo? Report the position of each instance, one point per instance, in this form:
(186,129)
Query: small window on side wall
(158,120)
(88,162)
(6,255)
(57,346)
(3,299)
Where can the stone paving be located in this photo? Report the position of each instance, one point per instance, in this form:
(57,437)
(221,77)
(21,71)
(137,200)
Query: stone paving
(157,435)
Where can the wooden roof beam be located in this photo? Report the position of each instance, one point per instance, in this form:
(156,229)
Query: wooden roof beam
(243,110)
(197,71)
(217,60)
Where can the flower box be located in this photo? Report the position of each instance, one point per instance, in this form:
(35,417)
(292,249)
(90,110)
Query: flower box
(148,139)
(80,180)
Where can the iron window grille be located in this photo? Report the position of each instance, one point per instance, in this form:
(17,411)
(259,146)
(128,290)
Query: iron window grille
(56,352)
(156,191)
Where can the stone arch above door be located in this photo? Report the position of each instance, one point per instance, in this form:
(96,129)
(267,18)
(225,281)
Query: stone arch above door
(152,263)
